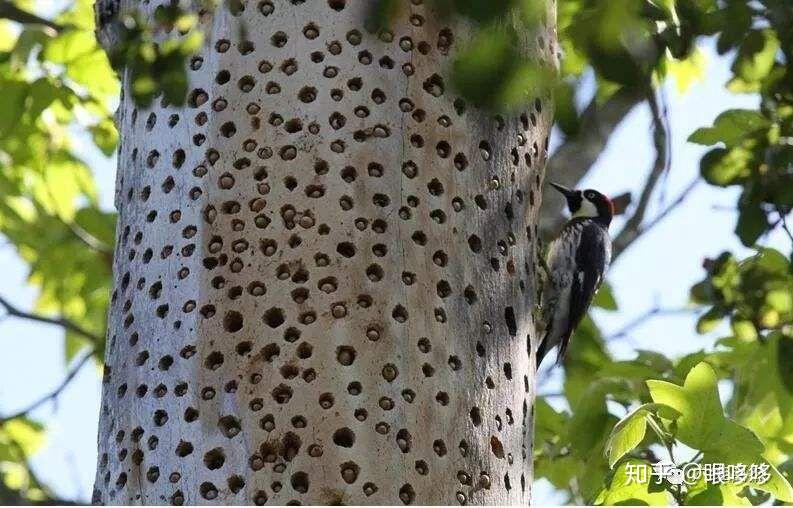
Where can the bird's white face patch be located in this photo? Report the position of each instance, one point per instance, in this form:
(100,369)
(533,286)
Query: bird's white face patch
(587,209)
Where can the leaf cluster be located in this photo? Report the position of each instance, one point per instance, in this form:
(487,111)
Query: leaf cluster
(58,94)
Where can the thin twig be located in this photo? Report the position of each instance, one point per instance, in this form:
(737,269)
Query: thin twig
(573,159)
(642,318)
(784,222)
(618,249)
(87,238)
(14,311)
(632,228)
(664,113)
(671,206)
(11,12)
(53,395)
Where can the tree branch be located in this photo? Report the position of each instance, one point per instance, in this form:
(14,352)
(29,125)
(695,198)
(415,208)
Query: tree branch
(52,395)
(782,219)
(573,159)
(12,310)
(11,12)
(633,227)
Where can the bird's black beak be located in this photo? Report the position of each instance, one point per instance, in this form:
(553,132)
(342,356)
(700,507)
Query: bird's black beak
(564,190)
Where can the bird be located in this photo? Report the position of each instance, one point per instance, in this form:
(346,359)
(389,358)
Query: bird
(575,266)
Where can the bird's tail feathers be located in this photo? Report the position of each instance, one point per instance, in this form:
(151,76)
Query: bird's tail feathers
(562,352)
(546,345)
(542,350)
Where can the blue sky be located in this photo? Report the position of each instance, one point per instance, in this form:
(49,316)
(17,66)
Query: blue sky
(658,269)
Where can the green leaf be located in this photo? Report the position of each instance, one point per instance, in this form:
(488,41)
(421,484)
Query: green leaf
(584,361)
(80,15)
(735,19)
(24,432)
(778,486)
(722,167)
(12,104)
(687,71)
(715,495)
(604,298)
(785,362)
(105,136)
(73,344)
(698,403)
(565,113)
(743,329)
(780,299)
(625,490)
(93,71)
(772,262)
(8,35)
(629,432)
(752,223)
(730,128)
(526,81)
(548,423)
(69,46)
(684,365)
(703,426)
(480,69)
(99,225)
(560,471)
(574,62)
(65,181)
(590,420)
(84,62)
(710,320)
(629,369)
(43,92)
(756,55)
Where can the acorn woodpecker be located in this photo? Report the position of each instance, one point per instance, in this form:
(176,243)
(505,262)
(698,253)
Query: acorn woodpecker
(576,264)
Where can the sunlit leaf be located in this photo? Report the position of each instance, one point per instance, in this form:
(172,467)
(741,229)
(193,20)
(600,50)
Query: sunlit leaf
(626,435)
(710,320)
(624,489)
(687,71)
(703,426)
(105,136)
(26,434)
(724,167)
(730,127)
(756,55)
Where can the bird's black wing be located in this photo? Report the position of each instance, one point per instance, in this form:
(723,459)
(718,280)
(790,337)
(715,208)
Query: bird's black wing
(592,259)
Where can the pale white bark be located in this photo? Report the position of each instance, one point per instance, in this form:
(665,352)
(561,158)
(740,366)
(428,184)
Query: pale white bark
(325,272)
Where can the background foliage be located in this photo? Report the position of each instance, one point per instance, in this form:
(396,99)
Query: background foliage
(59,87)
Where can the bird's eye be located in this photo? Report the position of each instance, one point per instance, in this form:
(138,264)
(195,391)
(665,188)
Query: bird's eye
(589,194)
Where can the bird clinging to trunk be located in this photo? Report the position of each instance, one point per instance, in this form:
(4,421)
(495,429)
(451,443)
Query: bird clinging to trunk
(576,264)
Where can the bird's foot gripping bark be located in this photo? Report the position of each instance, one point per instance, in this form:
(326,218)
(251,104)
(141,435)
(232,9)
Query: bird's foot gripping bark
(539,313)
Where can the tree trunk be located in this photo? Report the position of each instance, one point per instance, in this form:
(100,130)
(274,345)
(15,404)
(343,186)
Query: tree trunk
(325,271)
